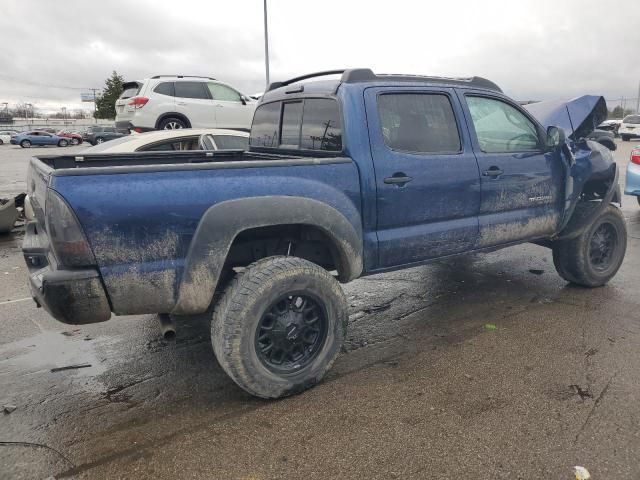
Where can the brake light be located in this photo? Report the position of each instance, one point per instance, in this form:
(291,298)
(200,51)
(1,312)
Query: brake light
(137,129)
(635,156)
(138,102)
(68,242)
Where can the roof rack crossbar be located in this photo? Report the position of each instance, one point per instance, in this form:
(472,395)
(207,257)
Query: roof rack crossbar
(183,76)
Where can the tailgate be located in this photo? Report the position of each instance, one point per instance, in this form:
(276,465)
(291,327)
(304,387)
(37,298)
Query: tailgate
(37,185)
(129,89)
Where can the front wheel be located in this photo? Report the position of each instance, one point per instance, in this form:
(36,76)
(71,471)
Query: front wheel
(99,140)
(75,141)
(63,143)
(279,326)
(625,138)
(594,257)
(25,144)
(638,199)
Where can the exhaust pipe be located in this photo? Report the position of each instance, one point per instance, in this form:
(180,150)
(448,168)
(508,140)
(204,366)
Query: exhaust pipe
(167,326)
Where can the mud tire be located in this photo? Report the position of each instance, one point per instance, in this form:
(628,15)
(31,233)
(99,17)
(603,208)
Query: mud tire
(573,260)
(247,298)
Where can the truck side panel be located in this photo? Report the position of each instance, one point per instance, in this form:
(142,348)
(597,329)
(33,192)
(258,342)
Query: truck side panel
(140,225)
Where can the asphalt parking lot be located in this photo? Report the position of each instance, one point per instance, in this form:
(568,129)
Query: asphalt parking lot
(426,387)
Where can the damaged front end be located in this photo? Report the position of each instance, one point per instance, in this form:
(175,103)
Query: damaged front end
(591,172)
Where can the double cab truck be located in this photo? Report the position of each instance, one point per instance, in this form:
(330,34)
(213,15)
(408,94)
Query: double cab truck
(343,178)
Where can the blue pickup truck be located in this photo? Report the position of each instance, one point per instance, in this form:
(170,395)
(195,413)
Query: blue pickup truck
(343,178)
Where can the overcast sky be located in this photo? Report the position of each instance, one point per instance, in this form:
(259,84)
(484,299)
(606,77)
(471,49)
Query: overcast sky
(540,49)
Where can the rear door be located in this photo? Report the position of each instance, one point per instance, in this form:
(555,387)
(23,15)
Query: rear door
(232,111)
(427,181)
(521,183)
(194,102)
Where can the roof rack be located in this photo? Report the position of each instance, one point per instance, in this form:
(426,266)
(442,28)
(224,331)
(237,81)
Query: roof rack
(359,75)
(183,76)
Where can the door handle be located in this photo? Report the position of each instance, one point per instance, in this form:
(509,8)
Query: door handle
(493,172)
(182,104)
(400,179)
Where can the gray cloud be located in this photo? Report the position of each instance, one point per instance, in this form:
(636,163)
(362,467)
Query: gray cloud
(533,49)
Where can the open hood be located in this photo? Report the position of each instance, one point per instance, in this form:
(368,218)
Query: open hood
(578,117)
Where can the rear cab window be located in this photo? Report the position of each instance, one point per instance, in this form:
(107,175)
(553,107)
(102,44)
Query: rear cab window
(302,124)
(632,119)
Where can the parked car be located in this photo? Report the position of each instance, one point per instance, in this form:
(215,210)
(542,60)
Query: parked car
(632,178)
(97,134)
(171,102)
(75,138)
(39,138)
(10,133)
(629,128)
(343,178)
(5,138)
(176,140)
(610,126)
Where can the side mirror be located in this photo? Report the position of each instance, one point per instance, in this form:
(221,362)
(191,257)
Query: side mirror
(555,137)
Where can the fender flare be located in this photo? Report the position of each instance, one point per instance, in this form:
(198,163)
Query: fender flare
(172,114)
(222,223)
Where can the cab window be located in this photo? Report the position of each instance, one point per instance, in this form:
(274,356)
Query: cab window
(419,123)
(500,127)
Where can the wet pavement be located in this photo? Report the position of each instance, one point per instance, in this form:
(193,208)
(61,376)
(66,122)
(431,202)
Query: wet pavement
(426,387)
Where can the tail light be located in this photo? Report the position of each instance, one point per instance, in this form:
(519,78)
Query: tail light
(635,156)
(138,102)
(68,242)
(137,129)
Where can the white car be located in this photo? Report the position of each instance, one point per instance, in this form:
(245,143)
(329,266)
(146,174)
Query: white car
(168,102)
(4,138)
(630,127)
(176,140)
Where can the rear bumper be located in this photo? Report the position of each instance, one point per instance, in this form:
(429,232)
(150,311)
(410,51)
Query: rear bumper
(70,296)
(126,126)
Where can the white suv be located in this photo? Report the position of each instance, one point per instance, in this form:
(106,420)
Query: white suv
(180,101)
(630,127)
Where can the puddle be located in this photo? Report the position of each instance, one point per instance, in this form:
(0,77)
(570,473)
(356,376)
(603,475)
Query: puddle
(44,351)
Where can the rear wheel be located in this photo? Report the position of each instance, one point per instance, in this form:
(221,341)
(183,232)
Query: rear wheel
(172,123)
(25,144)
(625,138)
(594,257)
(279,326)
(75,141)
(1,142)
(99,140)
(638,199)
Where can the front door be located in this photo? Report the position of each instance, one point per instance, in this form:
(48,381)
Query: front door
(232,111)
(521,181)
(427,180)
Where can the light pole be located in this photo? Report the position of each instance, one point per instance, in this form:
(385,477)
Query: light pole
(27,106)
(266,43)
(637,99)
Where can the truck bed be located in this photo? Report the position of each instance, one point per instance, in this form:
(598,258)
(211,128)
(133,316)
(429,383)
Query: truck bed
(140,212)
